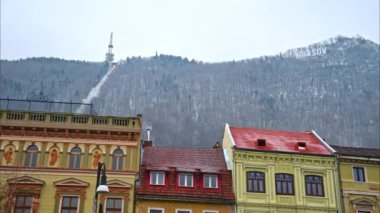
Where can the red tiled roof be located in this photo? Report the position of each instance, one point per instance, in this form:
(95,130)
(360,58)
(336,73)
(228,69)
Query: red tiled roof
(176,160)
(186,160)
(278,140)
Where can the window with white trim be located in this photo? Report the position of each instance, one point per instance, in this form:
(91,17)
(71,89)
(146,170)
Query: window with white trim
(157,178)
(69,204)
(359,174)
(210,211)
(185,179)
(155,210)
(183,210)
(23,203)
(114,205)
(210,181)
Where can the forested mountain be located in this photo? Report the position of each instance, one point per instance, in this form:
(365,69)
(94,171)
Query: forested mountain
(331,87)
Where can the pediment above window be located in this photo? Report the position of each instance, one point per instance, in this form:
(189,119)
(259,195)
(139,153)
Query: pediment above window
(26,180)
(118,184)
(364,202)
(72,182)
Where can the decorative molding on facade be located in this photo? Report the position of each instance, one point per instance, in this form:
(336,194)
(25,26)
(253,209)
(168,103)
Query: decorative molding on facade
(279,158)
(71,182)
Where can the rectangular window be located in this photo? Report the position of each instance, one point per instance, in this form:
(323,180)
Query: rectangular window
(183,211)
(186,179)
(23,203)
(359,174)
(314,185)
(210,211)
(157,178)
(284,184)
(114,205)
(69,204)
(256,182)
(210,181)
(154,210)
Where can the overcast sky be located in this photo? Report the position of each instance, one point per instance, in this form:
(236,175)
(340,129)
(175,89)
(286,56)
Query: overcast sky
(207,30)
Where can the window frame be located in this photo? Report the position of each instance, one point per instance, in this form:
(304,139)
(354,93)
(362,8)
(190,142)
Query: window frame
(186,175)
(119,157)
(210,211)
(114,197)
(160,209)
(253,180)
(187,210)
(209,186)
(23,207)
(316,187)
(61,202)
(75,157)
(31,156)
(287,183)
(355,173)
(156,181)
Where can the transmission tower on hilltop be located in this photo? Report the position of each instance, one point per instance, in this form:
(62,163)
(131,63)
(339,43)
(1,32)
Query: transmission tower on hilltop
(109,54)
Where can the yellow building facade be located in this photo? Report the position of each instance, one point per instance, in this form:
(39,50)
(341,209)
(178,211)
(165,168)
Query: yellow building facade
(49,160)
(287,179)
(360,179)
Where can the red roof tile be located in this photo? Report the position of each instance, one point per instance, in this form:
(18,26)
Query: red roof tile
(176,160)
(278,140)
(189,160)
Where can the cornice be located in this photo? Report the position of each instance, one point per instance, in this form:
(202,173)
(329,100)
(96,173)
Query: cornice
(184,199)
(62,171)
(276,158)
(67,140)
(278,206)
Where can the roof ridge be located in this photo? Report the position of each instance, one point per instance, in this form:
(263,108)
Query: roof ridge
(272,130)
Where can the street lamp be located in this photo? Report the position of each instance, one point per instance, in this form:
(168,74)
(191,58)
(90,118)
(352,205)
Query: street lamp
(101,188)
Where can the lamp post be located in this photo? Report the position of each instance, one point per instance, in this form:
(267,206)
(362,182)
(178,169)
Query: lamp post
(100,188)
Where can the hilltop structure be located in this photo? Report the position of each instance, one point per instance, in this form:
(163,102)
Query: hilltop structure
(109,54)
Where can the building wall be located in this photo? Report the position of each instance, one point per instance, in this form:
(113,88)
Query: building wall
(360,194)
(97,137)
(171,206)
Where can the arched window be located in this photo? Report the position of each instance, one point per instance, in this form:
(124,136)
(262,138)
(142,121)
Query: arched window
(75,155)
(31,156)
(256,182)
(284,184)
(117,159)
(314,185)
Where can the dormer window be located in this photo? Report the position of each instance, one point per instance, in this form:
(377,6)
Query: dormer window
(301,145)
(261,142)
(157,178)
(185,179)
(210,181)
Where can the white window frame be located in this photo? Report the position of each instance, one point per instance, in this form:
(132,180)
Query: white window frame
(210,211)
(364,173)
(122,202)
(186,175)
(209,183)
(61,200)
(155,182)
(189,210)
(161,209)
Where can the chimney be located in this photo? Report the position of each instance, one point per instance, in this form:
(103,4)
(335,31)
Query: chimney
(261,142)
(148,142)
(217,145)
(301,145)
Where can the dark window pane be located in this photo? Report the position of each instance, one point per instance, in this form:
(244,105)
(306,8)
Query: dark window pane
(155,211)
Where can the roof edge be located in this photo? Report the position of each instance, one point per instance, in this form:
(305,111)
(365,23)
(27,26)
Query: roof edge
(227,128)
(323,142)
